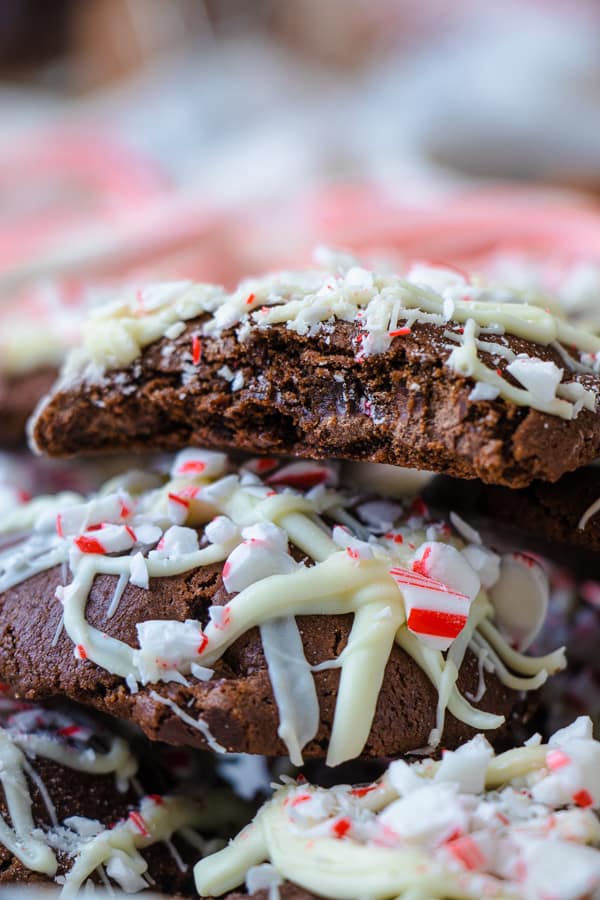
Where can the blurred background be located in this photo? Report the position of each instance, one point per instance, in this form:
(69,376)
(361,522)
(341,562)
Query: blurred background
(209,138)
(212,139)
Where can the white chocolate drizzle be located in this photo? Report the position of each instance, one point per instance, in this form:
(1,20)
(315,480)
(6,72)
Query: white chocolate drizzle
(592,510)
(112,852)
(521,824)
(418,585)
(478,318)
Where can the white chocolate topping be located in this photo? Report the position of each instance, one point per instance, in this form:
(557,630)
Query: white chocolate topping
(287,551)
(520,825)
(33,732)
(477,319)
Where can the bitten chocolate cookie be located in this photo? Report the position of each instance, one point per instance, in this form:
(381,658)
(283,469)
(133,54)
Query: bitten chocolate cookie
(269,614)
(522,824)
(560,521)
(19,396)
(77,804)
(429,371)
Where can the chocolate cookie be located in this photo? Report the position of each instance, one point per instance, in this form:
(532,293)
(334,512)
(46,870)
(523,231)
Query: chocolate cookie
(560,521)
(433,373)
(19,396)
(473,825)
(266,615)
(78,804)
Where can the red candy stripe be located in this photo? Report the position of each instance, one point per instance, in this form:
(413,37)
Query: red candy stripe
(88,545)
(139,823)
(341,828)
(433,622)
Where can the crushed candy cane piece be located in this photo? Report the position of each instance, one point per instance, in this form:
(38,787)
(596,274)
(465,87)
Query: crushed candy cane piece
(520,597)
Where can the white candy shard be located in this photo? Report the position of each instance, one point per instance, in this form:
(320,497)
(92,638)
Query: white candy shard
(147,533)
(465,530)
(466,766)
(178,507)
(303,475)
(114,508)
(121,869)
(177,541)
(520,598)
(106,539)
(139,571)
(261,878)
(355,548)
(221,530)
(430,814)
(166,646)
(359,278)
(568,872)
(581,729)
(483,391)
(540,378)
(263,552)
(485,562)
(202,673)
(446,564)
(380,515)
(194,463)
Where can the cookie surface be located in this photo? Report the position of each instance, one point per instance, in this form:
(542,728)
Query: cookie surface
(237,704)
(353,365)
(218,607)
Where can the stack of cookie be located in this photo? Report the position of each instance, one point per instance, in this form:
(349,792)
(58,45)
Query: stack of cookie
(257,594)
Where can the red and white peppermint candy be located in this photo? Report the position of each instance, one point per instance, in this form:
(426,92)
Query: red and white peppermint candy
(192,462)
(176,541)
(261,465)
(114,508)
(263,552)
(380,515)
(303,475)
(438,592)
(355,548)
(106,539)
(221,530)
(570,872)
(178,507)
(484,562)
(541,378)
(573,768)
(520,598)
(432,813)
(166,645)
